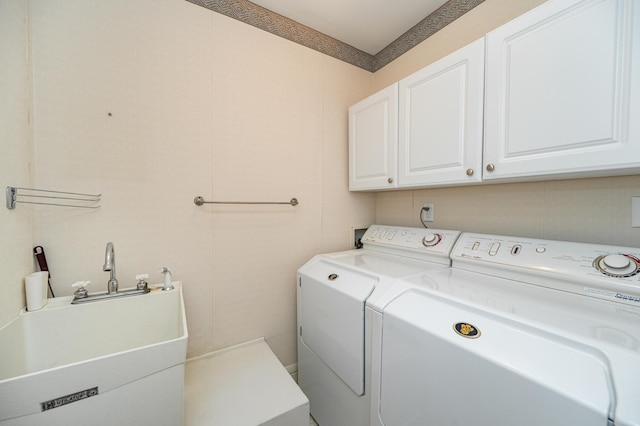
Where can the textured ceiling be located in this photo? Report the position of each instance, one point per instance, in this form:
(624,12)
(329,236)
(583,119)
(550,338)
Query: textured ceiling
(286,27)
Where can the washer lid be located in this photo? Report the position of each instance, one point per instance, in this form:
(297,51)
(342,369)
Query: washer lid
(385,268)
(444,362)
(332,302)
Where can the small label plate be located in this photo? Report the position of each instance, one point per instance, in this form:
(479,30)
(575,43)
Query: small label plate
(68,399)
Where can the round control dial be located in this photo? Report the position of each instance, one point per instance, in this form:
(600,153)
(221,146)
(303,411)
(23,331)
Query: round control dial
(617,265)
(431,240)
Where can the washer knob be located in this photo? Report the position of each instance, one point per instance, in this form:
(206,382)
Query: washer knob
(617,265)
(431,240)
(616,261)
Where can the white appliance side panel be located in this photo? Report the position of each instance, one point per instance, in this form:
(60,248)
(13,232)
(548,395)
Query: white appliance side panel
(332,319)
(511,374)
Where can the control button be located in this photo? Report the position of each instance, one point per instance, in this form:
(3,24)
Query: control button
(475,246)
(382,234)
(431,240)
(493,250)
(516,249)
(540,249)
(391,235)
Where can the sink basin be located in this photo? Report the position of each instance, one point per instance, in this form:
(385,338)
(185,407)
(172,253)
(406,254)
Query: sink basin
(80,360)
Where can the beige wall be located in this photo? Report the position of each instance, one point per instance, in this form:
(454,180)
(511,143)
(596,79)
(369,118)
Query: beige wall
(201,104)
(16,240)
(584,210)
(588,210)
(154,102)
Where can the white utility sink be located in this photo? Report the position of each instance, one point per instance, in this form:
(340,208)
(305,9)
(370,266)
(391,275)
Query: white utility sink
(117,361)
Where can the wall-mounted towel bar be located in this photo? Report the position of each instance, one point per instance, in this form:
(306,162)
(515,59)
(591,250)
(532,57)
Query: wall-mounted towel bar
(198,201)
(75,199)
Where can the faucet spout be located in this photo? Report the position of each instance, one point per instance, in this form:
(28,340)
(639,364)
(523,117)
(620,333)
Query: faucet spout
(110,266)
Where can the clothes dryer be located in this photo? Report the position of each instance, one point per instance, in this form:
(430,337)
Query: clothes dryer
(334,326)
(518,332)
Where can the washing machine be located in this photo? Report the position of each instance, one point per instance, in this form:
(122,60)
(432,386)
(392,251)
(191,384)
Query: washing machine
(518,331)
(334,324)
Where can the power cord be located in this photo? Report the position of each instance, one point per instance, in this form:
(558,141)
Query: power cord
(424,209)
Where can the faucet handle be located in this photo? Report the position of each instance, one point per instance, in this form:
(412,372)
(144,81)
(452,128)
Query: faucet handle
(81,290)
(142,281)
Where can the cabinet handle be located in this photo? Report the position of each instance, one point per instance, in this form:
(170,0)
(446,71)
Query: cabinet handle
(390,180)
(490,167)
(469,172)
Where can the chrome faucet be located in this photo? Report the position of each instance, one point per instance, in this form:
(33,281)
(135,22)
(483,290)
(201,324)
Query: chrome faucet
(110,265)
(82,296)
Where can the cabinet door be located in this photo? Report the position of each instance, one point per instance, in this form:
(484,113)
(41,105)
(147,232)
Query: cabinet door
(373,141)
(441,112)
(562,92)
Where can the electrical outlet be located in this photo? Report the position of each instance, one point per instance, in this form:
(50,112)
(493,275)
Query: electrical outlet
(635,212)
(427,213)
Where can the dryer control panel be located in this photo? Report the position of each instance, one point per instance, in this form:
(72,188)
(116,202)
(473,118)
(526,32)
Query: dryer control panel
(602,271)
(421,243)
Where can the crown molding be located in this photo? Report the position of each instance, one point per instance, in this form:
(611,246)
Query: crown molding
(259,17)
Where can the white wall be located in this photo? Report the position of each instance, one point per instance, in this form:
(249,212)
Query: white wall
(16,241)
(586,210)
(154,102)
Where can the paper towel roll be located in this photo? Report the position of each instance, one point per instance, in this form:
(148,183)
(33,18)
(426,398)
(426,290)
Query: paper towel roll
(36,289)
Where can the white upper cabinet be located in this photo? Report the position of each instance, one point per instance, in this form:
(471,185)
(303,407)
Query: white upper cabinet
(562,95)
(373,141)
(556,89)
(439,142)
(440,127)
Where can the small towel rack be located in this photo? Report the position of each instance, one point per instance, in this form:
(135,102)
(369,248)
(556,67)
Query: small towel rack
(198,201)
(77,199)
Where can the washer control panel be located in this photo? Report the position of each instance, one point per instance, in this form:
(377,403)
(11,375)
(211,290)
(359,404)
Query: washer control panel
(598,270)
(411,241)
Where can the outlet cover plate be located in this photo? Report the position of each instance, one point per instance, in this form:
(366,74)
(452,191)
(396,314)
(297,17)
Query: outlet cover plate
(426,213)
(635,212)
